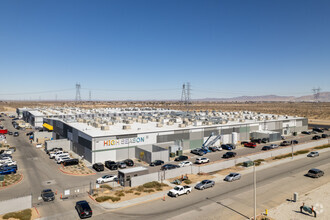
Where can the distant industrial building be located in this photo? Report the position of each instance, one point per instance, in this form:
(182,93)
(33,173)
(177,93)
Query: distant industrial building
(116,134)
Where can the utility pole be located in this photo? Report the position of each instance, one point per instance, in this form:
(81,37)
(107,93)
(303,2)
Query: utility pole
(183,94)
(316,92)
(90,95)
(255,190)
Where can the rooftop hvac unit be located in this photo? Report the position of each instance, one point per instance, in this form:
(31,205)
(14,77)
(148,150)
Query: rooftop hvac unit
(182,125)
(159,125)
(144,121)
(104,127)
(126,127)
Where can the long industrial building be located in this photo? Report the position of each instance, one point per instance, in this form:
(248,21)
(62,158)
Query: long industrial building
(116,134)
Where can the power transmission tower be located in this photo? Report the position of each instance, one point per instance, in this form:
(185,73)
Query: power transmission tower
(183,94)
(188,93)
(90,95)
(316,92)
(78,97)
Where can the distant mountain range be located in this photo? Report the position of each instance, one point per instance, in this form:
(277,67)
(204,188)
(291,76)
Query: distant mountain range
(323,97)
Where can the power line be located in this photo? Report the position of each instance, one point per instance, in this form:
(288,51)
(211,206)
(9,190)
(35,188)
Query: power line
(78,97)
(31,93)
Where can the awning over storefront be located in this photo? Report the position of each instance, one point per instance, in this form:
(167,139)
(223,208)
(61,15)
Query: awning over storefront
(49,127)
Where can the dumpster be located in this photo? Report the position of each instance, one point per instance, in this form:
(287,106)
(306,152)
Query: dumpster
(179,152)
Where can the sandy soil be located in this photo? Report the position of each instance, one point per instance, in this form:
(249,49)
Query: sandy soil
(77,170)
(319,198)
(35,215)
(194,178)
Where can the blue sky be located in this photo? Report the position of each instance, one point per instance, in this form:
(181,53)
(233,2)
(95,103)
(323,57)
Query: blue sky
(142,49)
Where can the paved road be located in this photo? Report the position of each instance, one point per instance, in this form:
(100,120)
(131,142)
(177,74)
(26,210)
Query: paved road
(234,200)
(318,126)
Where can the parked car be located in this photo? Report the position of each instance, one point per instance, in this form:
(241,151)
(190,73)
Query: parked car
(169,167)
(7,170)
(273,146)
(205,184)
(197,151)
(83,209)
(319,130)
(250,144)
(106,178)
(324,135)
(315,173)
(53,154)
(202,160)
(226,147)
(47,195)
(70,162)
(185,163)
(264,140)
(213,148)
(129,162)
(156,163)
(306,132)
(233,146)
(111,165)
(232,177)
(229,155)
(285,143)
(57,157)
(10,133)
(256,140)
(16,134)
(54,149)
(181,158)
(294,142)
(266,148)
(244,142)
(179,190)
(121,165)
(316,137)
(313,154)
(29,133)
(98,167)
(62,159)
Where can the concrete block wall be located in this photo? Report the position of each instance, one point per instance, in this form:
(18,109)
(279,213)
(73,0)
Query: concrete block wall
(42,135)
(63,143)
(17,204)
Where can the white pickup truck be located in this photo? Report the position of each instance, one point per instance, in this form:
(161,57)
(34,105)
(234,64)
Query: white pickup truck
(57,157)
(52,155)
(179,190)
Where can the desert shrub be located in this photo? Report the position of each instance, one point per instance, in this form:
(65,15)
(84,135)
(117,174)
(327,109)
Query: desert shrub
(153,184)
(22,215)
(114,199)
(140,188)
(301,152)
(149,190)
(129,191)
(102,198)
(106,186)
(159,189)
(163,184)
(120,193)
(137,193)
(322,147)
(282,156)
(239,164)
(187,181)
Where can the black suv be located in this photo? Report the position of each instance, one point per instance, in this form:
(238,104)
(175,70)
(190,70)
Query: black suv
(16,134)
(47,195)
(316,137)
(156,163)
(229,155)
(98,167)
(324,136)
(83,209)
(111,165)
(169,167)
(181,158)
(266,148)
(129,162)
(319,130)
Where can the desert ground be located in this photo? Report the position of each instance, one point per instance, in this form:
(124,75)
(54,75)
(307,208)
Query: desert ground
(317,112)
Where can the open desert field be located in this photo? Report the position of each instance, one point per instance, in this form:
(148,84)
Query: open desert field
(319,112)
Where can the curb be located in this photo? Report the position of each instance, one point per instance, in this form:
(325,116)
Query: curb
(72,174)
(92,198)
(20,180)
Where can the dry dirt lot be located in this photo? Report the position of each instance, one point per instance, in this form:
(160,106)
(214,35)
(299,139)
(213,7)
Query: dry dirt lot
(320,111)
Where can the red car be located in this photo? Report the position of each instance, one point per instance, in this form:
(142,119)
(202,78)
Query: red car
(250,144)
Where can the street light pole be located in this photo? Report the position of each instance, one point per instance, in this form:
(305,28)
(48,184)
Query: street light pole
(255,190)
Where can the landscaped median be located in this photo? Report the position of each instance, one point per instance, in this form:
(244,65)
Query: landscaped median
(10,180)
(107,194)
(77,170)
(27,214)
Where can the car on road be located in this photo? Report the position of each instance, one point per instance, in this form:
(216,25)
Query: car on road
(250,144)
(205,184)
(324,135)
(185,164)
(306,132)
(202,160)
(106,178)
(273,146)
(266,148)
(10,133)
(47,195)
(316,137)
(98,167)
(229,155)
(315,173)
(121,165)
(179,190)
(319,130)
(16,134)
(156,163)
(226,147)
(232,177)
(111,165)
(181,158)
(169,167)
(129,162)
(313,154)
(83,209)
